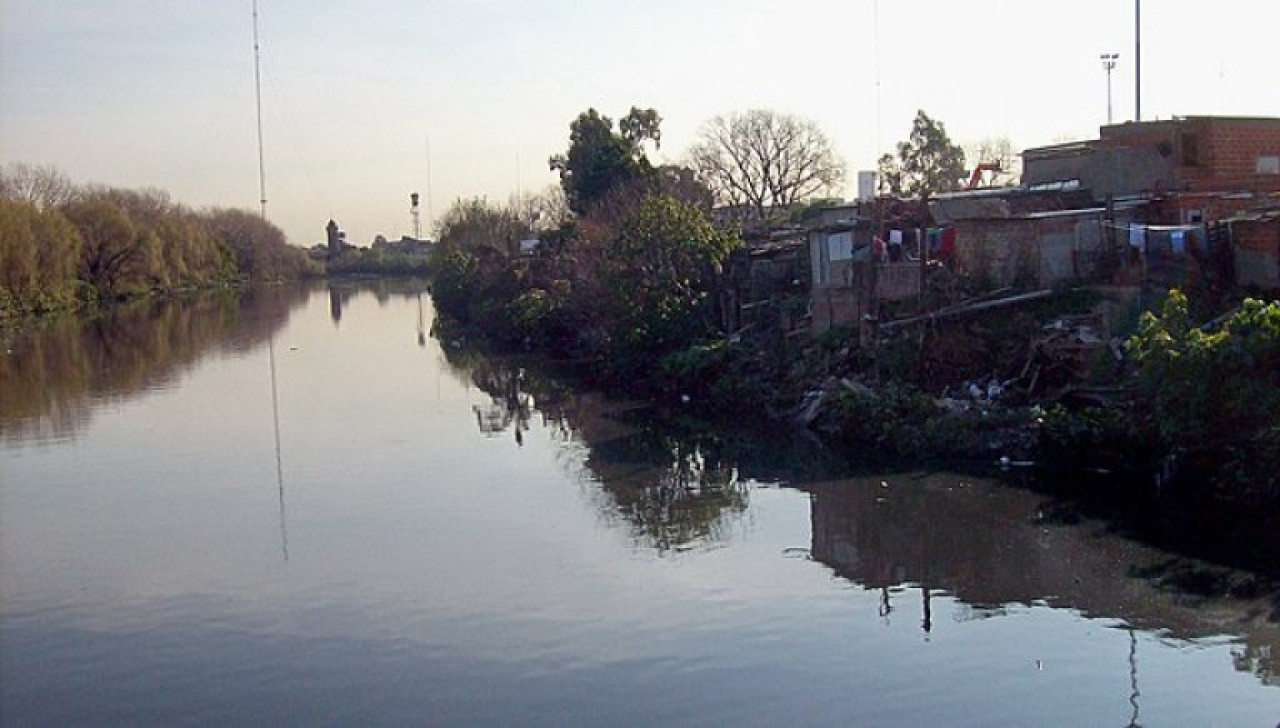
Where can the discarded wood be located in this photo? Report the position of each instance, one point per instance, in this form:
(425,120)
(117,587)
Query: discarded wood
(965,309)
(1216,322)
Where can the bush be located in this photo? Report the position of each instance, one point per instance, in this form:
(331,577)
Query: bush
(1205,389)
(721,378)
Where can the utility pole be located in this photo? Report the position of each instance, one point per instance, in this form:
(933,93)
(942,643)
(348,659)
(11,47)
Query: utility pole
(1137,60)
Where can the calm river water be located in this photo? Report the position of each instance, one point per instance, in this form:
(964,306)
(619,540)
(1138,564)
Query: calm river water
(297,507)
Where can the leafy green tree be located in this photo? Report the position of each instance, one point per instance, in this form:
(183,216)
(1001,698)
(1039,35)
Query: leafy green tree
(1210,390)
(764,162)
(600,159)
(38,254)
(114,258)
(662,272)
(455,276)
(258,247)
(927,163)
(477,267)
(187,253)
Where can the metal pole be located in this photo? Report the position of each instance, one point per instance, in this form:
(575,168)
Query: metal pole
(1137,60)
(1109,63)
(257,88)
(1108,94)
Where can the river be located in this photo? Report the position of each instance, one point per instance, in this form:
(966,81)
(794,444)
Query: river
(298,507)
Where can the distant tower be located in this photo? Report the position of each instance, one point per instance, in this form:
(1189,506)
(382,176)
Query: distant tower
(334,239)
(413,210)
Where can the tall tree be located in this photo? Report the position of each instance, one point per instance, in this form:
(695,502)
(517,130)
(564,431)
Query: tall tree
(258,246)
(765,161)
(661,272)
(38,252)
(927,163)
(600,159)
(113,256)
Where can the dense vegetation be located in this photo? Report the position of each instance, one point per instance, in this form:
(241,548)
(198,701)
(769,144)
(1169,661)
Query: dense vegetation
(629,281)
(624,271)
(1212,396)
(62,245)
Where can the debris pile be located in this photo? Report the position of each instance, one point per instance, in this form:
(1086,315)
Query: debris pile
(1062,359)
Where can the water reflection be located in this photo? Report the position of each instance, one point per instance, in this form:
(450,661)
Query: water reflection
(992,546)
(52,377)
(904,536)
(674,490)
(394,539)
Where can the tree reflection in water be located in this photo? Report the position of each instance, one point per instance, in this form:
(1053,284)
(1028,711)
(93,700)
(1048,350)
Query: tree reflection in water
(53,375)
(676,494)
(675,490)
(986,548)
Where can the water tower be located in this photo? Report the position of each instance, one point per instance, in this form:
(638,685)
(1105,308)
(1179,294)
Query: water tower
(414,212)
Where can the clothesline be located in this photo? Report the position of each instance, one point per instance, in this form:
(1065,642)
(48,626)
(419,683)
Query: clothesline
(1154,228)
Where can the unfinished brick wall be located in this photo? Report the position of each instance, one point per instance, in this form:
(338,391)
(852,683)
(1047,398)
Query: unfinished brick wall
(1257,252)
(1191,154)
(1228,152)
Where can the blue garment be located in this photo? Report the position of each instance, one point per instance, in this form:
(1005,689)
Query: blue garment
(1137,236)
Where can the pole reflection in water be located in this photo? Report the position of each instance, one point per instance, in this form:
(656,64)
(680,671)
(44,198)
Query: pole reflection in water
(422,331)
(275,421)
(1134,694)
(611,567)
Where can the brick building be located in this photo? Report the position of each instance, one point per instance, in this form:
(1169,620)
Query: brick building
(1205,167)
(1256,240)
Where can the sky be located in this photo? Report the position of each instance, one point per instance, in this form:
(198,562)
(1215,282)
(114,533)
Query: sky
(366,102)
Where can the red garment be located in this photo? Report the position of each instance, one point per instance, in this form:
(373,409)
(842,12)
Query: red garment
(948,245)
(878,249)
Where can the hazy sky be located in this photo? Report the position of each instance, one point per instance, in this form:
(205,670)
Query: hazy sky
(365,102)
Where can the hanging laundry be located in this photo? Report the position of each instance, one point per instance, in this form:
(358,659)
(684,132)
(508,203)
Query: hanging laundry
(1178,241)
(878,249)
(895,237)
(1137,236)
(948,242)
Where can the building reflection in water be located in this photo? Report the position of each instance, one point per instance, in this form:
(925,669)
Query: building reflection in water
(990,546)
(980,543)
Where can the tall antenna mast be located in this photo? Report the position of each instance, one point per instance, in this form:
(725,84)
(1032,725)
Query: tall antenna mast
(1137,60)
(257,89)
(428,184)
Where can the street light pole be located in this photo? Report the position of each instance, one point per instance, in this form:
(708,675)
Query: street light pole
(1109,63)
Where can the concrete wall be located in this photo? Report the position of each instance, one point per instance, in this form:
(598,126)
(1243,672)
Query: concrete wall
(1037,251)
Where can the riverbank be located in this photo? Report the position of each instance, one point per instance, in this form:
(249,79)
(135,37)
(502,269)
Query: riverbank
(1078,381)
(373,515)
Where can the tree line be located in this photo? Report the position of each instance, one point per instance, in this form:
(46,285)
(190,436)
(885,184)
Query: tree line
(63,244)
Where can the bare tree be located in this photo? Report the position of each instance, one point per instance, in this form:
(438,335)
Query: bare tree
(541,211)
(765,161)
(1002,160)
(40,185)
